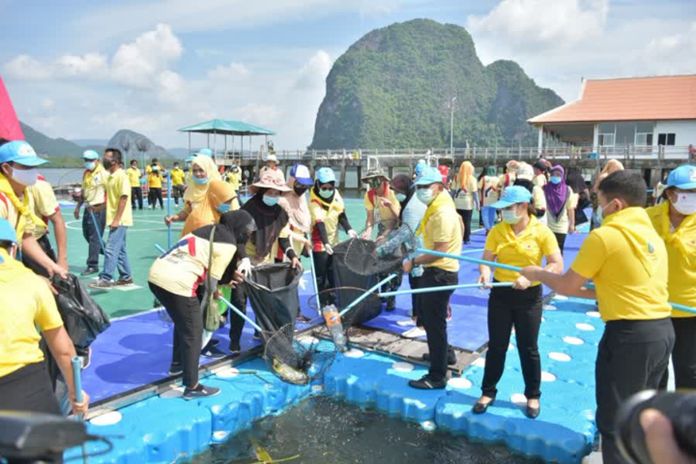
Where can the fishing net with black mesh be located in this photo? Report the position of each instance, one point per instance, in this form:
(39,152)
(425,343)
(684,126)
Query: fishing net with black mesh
(380,250)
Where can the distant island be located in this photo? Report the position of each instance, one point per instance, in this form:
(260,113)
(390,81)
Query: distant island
(393,88)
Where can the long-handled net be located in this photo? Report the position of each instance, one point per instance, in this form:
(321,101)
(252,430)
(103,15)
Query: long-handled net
(381,252)
(290,359)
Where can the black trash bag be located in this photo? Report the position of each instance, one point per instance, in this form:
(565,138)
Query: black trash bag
(272,292)
(82,317)
(345,277)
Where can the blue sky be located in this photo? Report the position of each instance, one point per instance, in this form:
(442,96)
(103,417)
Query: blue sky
(84,69)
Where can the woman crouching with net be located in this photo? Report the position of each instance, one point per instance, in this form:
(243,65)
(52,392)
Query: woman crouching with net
(327,211)
(211,251)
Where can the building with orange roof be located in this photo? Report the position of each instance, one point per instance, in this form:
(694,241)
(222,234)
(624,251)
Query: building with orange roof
(635,115)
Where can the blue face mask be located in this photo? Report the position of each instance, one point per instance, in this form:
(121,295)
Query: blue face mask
(400,197)
(224,208)
(326,194)
(555,180)
(90,165)
(200,181)
(269,200)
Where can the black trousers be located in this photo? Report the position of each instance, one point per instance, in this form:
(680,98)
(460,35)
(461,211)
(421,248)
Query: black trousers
(414,283)
(186,313)
(560,238)
(432,313)
(521,309)
(323,265)
(137,195)
(466,217)
(178,192)
(45,245)
(632,356)
(238,298)
(684,352)
(93,225)
(155,195)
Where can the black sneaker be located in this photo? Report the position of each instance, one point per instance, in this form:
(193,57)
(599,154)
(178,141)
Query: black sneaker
(451,358)
(102,284)
(235,349)
(201,391)
(213,352)
(175,369)
(426,383)
(89,271)
(122,282)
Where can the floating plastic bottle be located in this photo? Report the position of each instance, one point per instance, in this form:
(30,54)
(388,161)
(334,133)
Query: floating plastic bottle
(333,322)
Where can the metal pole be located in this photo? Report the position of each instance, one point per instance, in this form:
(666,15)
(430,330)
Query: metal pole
(169,209)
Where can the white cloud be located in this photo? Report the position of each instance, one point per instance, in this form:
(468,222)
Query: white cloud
(89,65)
(232,71)
(313,74)
(141,63)
(26,67)
(533,22)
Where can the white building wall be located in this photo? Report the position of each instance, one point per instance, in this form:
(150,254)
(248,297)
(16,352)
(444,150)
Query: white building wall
(684,131)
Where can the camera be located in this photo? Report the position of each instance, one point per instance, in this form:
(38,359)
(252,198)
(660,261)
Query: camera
(678,407)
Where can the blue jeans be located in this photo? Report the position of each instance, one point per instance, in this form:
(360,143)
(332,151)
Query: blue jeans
(93,233)
(488,215)
(116,254)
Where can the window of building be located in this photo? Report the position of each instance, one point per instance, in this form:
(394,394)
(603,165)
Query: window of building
(666,139)
(607,135)
(644,134)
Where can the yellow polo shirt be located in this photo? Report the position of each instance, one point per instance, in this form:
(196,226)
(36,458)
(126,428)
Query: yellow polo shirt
(154,178)
(177,176)
(382,214)
(9,212)
(539,180)
(628,262)
(45,204)
(134,176)
(528,248)
(117,186)
(681,253)
(23,314)
(270,257)
(440,224)
(560,224)
(327,214)
(94,185)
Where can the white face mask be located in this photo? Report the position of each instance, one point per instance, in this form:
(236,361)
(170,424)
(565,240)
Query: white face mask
(685,203)
(600,213)
(510,216)
(425,195)
(26,177)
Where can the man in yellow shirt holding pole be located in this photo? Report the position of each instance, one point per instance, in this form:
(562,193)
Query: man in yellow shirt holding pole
(177,176)
(134,176)
(94,198)
(627,261)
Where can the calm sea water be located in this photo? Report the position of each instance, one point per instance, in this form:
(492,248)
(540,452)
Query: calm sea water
(61,176)
(322,430)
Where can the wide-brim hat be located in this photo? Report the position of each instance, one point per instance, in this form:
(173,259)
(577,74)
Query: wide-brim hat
(375,174)
(270,179)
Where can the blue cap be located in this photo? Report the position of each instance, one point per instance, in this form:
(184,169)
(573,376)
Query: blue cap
(7,232)
(325,175)
(205,151)
(20,152)
(683,177)
(90,155)
(513,195)
(429,175)
(301,174)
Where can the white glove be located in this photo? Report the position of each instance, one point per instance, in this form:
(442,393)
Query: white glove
(328,249)
(352,233)
(244,266)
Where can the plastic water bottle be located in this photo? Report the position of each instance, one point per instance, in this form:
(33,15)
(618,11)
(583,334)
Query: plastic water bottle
(333,322)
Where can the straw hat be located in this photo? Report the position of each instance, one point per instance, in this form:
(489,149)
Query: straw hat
(373,174)
(270,179)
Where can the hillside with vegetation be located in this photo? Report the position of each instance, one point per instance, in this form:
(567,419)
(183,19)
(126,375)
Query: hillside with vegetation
(393,88)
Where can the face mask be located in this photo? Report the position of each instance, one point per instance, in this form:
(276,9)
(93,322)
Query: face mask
(269,200)
(200,181)
(326,194)
(600,213)
(686,203)
(425,195)
(90,165)
(299,191)
(107,163)
(26,177)
(400,197)
(555,180)
(224,208)
(510,217)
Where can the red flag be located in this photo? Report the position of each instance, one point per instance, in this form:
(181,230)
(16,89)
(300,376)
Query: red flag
(9,124)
